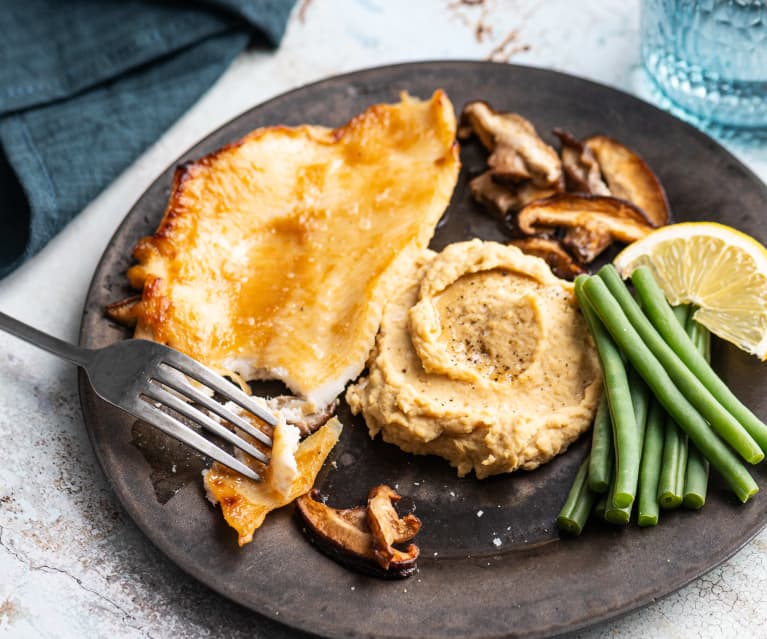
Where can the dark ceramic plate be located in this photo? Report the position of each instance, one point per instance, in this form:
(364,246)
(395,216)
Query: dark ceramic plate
(531,585)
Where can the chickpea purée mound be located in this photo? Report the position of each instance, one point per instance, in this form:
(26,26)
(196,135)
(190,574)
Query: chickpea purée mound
(484,359)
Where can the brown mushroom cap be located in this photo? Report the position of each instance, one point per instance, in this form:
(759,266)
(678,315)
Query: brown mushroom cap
(559,260)
(589,239)
(498,198)
(593,221)
(502,199)
(345,536)
(344,528)
(387,528)
(517,153)
(582,173)
(629,177)
(581,202)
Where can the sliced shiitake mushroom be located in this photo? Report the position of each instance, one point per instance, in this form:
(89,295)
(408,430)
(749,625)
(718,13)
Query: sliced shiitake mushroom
(517,153)
(345,536)
(582,173)
(628,177)
(502,199)
(559,260)
(581,202)
(528,193)
(498,198)
(343,533)
(388,528)
(588,239)
(592,221)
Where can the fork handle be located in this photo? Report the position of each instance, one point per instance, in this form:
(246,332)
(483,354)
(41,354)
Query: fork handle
(75,354)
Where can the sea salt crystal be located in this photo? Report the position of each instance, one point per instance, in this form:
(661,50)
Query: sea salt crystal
(480,513)
(497,542)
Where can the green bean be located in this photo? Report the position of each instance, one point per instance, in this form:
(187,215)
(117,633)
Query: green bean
(649,470)
(578,505)
(696,478)
(600,506)
(659,313)
(626,443)
(595,291)
(640,401)
(681,312)
(675,445)
(721,420)
(673,467)
(601,457)
(699,336)
(618,515)
(702,339)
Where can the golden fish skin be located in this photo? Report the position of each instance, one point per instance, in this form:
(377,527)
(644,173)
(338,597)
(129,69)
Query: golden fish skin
(277,253)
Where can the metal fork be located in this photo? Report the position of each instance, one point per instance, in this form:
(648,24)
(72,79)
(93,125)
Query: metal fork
(142,377)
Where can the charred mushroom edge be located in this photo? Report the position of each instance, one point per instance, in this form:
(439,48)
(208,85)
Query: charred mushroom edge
(327,527)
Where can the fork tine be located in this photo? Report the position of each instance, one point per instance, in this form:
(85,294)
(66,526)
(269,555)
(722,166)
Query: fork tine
(179,384)
(156,393)
(178,430)
(204,375)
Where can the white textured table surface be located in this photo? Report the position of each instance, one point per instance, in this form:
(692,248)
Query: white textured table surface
(71,563)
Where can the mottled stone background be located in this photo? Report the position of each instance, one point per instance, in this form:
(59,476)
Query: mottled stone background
(71,563)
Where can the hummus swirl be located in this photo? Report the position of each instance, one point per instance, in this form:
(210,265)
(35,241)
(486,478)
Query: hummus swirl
(484,359)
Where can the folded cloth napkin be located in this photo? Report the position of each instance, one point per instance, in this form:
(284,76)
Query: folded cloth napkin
(87,85)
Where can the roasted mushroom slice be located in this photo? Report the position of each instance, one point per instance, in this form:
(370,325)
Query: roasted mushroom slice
(502,199)
(559,260)
(580,165)
(344,535)
(593,221)
(588,239)
(527,193)
(629,177)
(517,153)
(579,202)
(387,528)
(498,198)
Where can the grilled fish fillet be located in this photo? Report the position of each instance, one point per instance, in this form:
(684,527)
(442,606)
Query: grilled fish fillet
(277,253)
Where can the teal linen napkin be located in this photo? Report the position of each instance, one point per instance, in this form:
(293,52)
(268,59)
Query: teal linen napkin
(87,85)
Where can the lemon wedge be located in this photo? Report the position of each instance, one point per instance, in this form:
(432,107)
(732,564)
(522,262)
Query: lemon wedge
(716,267)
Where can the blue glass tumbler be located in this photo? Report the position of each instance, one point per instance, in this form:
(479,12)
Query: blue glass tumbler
(709,57)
